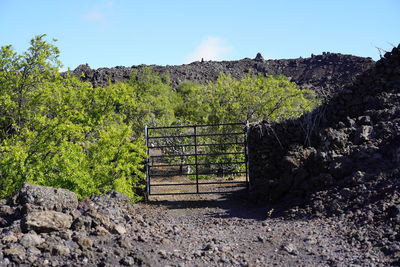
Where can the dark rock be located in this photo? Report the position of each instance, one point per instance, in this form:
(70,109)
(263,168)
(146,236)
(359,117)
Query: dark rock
(210,246)
(47,198)
(259,57)
(341,167)
(82,223)
(393,211)
(3,222)
(15,226)
(128,261)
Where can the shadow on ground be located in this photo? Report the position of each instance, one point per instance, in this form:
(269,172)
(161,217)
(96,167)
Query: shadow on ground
(233,205)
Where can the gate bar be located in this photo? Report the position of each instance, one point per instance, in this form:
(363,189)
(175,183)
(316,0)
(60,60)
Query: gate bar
(221,144)
(191,126)
(202,164)
(192,135)
(201,173)
(190,193)
(197,154)
(176,184)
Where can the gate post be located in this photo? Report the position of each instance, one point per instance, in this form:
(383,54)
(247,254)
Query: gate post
(246,151)
(146,137)
(195,158)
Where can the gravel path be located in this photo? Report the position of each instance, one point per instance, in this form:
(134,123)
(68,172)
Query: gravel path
(47,227)
(212,230)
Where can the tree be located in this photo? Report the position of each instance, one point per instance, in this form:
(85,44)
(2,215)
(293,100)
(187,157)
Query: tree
(155,100)
(20,78)
(65,133)
(252,98)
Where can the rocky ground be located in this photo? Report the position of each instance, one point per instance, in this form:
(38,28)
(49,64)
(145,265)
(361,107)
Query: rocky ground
(43,226)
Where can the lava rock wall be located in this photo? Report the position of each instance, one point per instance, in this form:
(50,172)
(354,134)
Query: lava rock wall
(354,136)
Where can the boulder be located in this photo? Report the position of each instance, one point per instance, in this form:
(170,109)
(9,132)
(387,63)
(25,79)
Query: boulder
(47,221)
(47,198)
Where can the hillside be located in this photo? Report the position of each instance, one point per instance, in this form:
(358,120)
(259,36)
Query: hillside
(324,73)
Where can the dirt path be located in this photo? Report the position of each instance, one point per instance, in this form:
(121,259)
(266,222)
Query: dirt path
(211,230)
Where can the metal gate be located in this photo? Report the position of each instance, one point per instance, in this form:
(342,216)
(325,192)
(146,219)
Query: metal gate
(196,159)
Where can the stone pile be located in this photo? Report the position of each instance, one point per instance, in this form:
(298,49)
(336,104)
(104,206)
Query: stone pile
(47,226)
(340,160)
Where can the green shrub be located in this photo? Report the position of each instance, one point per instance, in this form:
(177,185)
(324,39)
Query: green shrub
(252,98)
(61,132)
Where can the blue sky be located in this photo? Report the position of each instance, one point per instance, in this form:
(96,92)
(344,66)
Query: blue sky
(123,33)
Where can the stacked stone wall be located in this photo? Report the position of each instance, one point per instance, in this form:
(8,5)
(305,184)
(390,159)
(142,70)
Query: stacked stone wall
(356,131)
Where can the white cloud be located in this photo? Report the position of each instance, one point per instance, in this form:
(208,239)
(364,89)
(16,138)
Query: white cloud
(99,13)
(94,15)
(211,48)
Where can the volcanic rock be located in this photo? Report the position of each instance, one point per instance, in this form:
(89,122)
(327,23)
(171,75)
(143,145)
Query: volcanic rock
(356,139)
(47,221)
(47,198)
(327,74)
